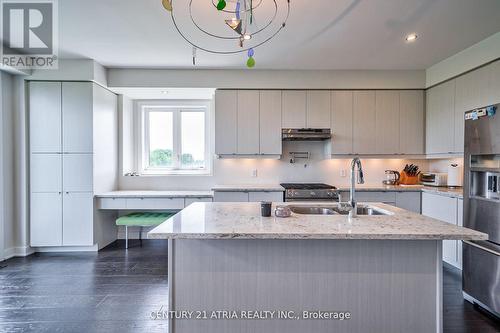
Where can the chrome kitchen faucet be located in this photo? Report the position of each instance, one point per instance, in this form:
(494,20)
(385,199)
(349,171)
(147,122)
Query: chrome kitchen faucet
(356,162)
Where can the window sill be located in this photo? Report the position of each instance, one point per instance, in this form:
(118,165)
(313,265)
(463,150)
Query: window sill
(171,173)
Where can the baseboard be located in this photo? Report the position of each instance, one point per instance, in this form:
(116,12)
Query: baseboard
(18,251)
(93,248)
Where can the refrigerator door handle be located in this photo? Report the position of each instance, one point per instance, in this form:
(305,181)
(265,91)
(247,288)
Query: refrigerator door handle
(483,246)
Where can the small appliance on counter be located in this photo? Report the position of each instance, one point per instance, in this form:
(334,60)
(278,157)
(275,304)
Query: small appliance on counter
(391,177)
(455,174)
(434,179)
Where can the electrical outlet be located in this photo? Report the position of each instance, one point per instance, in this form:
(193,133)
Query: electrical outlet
(254,173)
(343,173)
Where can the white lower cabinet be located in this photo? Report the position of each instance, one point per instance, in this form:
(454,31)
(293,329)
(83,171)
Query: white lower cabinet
(404,200)
(46,219)
(448,210)
(460,223)
(409,201)
(220,196)
(246,196)
(77,221)
(265,196)
(61,219)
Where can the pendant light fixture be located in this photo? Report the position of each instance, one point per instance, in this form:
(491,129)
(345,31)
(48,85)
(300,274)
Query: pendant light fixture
(250,24)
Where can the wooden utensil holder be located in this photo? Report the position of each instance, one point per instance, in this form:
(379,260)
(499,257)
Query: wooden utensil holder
(408,180)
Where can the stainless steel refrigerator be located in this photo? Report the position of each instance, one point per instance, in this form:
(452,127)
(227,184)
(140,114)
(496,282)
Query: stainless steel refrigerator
(481,259)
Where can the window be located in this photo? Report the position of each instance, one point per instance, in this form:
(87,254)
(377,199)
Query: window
(175,138)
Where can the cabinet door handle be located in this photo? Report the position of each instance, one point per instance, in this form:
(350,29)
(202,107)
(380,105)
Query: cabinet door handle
(484,248)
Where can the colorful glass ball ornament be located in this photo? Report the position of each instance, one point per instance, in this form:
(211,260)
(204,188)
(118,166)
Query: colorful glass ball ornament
(221,5)
(251,60)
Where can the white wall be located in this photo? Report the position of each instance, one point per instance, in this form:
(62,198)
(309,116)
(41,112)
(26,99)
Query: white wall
(270,79)
(7,168)
(126,134)
(272,171)
(477,55)
(21,168)
(2,242)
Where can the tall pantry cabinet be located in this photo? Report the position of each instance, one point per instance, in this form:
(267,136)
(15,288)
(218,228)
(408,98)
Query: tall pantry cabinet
(73,135)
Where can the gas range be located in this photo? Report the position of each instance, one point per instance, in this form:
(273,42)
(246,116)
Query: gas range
(310,192)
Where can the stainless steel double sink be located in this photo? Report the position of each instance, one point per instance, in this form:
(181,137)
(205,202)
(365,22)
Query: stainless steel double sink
(333,210)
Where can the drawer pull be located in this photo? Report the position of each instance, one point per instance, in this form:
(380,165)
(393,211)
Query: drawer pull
(484,248)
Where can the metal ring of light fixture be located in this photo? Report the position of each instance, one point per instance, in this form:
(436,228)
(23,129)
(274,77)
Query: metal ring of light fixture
(234,11)
(234,37)
(244,49)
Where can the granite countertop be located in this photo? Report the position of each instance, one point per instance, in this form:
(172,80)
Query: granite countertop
(451,192)
(155,194)
(249,188)
(243,220)
(456,192)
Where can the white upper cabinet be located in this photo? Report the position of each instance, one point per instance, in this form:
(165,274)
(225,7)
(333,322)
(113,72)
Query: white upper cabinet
(294,109)
(77,117)
(248,122)
(387,122)
(440,120)
(364,122)
(77,172)
(494,86)
(318,109)
(226,104)
(341,122)
(270,122)
(45,117)
(411,122)
(45,173)
(472,90)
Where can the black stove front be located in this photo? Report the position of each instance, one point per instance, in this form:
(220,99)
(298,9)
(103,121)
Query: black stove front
(310,192)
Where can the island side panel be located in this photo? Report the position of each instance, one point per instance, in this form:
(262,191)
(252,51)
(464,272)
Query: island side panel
(386,285)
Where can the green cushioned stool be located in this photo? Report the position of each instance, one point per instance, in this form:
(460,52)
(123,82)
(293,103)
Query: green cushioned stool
(142,220)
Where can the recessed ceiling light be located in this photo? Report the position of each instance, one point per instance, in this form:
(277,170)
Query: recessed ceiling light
(411,37)
(164,92)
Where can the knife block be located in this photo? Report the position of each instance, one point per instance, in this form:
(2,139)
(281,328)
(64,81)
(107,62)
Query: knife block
(408,180)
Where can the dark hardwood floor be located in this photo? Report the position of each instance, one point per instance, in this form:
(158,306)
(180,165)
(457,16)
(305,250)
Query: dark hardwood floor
(116,290)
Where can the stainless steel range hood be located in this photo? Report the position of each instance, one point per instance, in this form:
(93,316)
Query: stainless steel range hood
(306,134)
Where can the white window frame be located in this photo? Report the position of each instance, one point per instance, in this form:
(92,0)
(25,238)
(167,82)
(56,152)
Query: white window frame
(142,109)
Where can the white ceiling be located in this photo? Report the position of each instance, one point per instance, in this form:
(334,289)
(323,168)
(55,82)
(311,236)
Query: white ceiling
(320,34)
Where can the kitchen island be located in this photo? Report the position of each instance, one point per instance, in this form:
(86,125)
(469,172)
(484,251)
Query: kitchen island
(235,271)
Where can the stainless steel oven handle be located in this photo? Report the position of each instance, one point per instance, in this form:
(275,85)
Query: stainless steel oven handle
(484,248)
